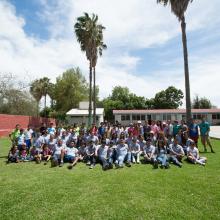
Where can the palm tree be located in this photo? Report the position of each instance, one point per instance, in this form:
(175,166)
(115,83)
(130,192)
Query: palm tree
(40,88)
(100,46)
(89,35)
(51,93)
(45,85)
(36,92)
(179,7)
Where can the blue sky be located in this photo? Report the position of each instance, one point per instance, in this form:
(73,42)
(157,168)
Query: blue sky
(29,9)
(143,38)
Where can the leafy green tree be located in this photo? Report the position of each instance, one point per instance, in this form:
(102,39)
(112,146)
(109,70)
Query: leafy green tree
(201,103)
(179,7)
(120,93)
(70,89)
(90,36)
(121,98)
(168,99)
(149,103)
(18,102)
(109,105)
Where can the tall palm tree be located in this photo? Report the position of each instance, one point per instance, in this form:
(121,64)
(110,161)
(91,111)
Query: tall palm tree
(51,93)
(100,46)
(36,92)
(45,85)
(89,35)
(179,7)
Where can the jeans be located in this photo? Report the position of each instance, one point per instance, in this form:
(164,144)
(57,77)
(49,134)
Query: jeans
(131,156)
(103,161)
(120,159)
(174,160)
(162,159)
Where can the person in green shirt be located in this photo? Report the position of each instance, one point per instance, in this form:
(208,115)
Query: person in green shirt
(204,132)
(176,128)
(15,134)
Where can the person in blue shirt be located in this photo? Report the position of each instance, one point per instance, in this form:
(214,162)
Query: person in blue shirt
(204,132)
(194,131)
(102,154)
(101,130)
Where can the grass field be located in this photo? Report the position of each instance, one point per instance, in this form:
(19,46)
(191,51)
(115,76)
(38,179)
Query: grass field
(34,191)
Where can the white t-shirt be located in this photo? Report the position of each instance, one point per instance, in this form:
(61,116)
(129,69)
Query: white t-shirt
(176,148)
(28,134)
(93,138)
(102,151)
(58,148)
(134,147)
(122,149)
(149,149)
(51,144)
(194,151)
(21,139)
(170,129)
(71,151)
(91,149)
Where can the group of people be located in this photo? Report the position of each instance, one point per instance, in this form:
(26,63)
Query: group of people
(152,142)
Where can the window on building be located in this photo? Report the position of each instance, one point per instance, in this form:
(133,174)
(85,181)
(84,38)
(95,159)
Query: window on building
(175,116)
(164,117)
(199,116)
(154,117)
(143,117)
(125,117)
(168,116)
(214,116)
(136,117)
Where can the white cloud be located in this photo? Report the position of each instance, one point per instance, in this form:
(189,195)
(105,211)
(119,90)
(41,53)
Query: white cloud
(130,25)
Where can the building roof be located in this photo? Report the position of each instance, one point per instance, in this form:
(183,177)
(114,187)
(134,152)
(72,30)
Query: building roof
(164,111)
(79,112)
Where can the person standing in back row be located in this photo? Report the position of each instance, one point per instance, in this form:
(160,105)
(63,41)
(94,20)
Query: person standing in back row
(204,132)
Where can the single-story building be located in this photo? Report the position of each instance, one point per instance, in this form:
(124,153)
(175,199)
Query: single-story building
(81,114)
(127,116)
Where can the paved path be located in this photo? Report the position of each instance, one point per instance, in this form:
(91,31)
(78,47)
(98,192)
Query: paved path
(215,132)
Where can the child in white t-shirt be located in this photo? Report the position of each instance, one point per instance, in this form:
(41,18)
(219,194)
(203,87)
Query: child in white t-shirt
(71,154)
(193,155)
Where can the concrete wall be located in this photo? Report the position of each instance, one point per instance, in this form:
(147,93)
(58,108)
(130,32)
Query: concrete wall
(177,117)
(82,119)
(8,122)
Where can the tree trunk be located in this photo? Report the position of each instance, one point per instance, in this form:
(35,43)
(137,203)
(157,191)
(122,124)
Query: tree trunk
(94,96)
(90,94)
(45,103)
(186,69)
(38,108)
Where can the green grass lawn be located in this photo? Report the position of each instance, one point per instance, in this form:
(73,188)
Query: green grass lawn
(34,191)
